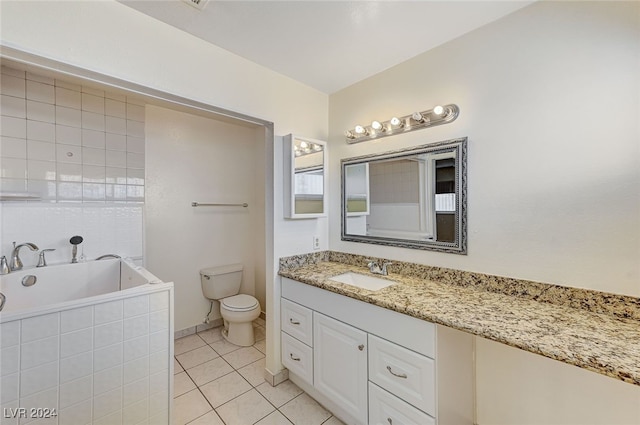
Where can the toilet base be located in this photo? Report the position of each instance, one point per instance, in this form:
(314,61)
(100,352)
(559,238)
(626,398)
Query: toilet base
(239,333)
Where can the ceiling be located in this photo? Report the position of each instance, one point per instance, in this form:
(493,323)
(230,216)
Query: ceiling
(327,45)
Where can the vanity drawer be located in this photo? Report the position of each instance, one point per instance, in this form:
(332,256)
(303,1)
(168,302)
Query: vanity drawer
(405,373)
(297,357)
(296,320)
(386,409)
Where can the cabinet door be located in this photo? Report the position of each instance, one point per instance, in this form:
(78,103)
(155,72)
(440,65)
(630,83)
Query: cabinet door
(340,364)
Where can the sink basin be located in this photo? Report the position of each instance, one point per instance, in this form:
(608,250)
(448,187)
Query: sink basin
(363,281)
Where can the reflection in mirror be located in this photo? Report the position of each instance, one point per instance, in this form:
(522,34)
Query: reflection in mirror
(304,177)
(411,198)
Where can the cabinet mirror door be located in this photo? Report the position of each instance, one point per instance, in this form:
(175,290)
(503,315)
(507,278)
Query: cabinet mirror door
(305,177)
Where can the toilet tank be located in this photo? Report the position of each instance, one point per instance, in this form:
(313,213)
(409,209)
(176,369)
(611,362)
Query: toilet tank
(221,281)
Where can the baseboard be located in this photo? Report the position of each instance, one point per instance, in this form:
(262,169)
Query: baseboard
(198,328)
(277,378)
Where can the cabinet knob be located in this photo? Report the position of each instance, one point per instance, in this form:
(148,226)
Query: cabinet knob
(361,347)
(295,359)
(293,322)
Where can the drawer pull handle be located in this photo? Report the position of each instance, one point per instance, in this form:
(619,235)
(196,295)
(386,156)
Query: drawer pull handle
(390,421)
(361,347)
(293,322)
(295,359)
(399,375)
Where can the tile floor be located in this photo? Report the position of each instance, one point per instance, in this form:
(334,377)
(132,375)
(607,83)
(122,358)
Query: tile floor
(218,383)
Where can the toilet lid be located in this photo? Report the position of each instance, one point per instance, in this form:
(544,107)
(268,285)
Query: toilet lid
(240,302)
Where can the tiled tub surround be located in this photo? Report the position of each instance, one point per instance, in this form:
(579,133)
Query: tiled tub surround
(106,359)
(596,331)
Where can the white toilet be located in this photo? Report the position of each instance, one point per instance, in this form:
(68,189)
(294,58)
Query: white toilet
(238,311)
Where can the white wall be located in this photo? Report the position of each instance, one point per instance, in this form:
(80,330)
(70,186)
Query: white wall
(549,99)
(113,39)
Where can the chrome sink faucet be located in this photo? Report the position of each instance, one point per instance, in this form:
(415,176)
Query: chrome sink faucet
(16,263)
(375,268)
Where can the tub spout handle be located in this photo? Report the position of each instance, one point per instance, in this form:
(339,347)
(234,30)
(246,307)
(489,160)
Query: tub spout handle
(42,262)
(16,263)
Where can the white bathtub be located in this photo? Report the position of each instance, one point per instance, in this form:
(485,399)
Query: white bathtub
(87,343)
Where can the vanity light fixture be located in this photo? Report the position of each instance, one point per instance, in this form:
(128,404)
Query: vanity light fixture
(441,114)
(302,148)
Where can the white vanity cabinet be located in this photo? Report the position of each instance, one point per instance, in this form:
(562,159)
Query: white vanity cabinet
(372,365)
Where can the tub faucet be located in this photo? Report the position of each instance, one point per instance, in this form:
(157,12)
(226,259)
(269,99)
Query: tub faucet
(375,268)
(16,263)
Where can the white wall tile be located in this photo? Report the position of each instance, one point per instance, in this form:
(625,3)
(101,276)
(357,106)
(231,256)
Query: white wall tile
(17,185)
(93,121)
(9,334)
(5,70)
(39,327)
(68,116)
(76,391)
(68,154)
(135,160)
(136,413)
(13,127)
(68,98)
(41,170)
(76,367)
(136,369)
(43,131)
(91,156)
(40,111)
(93,139)
(107,380)
(115,192)
(13,106)
(44,399)
(158,320)
(107,403)
(116,175)
(115,96)
(159,361)
(9,386)
(159,382)
(108,334)
(135,176)
(135,128)
(38,352)
(93,174)
(158,341)
(136,391)
(115,108)
(45,190)
(116,159)
(14,168)
(76,319)
(13,86)
(38,379)
(69,191)
(39,78)
(107,357)
(77,414)
(108,312)
(135,112)
(68,135)
(135,144)
(136,306)
(110,419)
(11,147)
(43,151)
(68,85)
(136,348)
(116,142)
(40,92)
(74,343)
(116,125)
(69,172)
(136,326)
(93,103)
(92,90)
(9,360)
(135,193)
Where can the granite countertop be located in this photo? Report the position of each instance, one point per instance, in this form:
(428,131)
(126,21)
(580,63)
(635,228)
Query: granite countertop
(600,342)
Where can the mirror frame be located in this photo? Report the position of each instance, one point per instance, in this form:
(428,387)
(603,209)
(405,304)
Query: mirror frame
(289,177)
(459,245)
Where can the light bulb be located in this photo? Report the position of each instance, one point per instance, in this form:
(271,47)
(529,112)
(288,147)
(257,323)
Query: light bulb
(349,134)
(438,110)
(396,122)
(376,125)
(304,145)
(317,148)
(417,116)
(298,153)
(360,129)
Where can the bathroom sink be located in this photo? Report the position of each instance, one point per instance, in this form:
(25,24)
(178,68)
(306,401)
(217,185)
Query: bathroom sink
(363,281)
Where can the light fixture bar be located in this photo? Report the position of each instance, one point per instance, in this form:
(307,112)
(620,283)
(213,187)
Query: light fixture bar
(404,124)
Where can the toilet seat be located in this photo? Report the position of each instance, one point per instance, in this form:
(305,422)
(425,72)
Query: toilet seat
(240,302)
